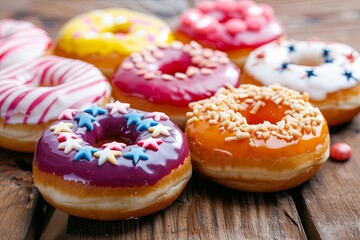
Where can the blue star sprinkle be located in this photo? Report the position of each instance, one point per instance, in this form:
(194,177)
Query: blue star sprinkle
(146,124)
(349,76)
(310,73)
(291,49)
(85,120)
(95,110)
(284,67)
(136,153)
(85,153)
(133,117)
(326,53)
(329,60)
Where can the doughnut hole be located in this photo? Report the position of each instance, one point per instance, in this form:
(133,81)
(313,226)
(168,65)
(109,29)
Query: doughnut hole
(271,112)
(109,130)
(179,62)
(119,29)
(307,57)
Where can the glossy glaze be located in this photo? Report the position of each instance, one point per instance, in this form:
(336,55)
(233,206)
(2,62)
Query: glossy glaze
(107,128)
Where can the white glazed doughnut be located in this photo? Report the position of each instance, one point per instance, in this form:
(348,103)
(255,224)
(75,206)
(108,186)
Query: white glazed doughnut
(329,72)
(33,93)
(20,41)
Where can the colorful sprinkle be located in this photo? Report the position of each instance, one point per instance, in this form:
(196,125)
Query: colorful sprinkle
(70,144)
(118,107)
(61,127)
(68,114)
(114,146)
(150,143)
(145,124)
(349,75)
(107,155)
(85,153)
(64,135)
(157,116)
(136,154)
(310,73)
(133,117)
(85,120)
(159,130)
(95,110)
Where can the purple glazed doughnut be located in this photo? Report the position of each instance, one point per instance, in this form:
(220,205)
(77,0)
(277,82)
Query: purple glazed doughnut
(111,163)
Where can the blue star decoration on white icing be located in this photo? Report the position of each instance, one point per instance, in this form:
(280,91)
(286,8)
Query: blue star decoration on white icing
(329,60)
(145,124)
(349,75)
(326,53)
(85,120)
(136,154)
(95,110)
(291,48)
(133,117)
(310,73)
(85,153)
(284,66)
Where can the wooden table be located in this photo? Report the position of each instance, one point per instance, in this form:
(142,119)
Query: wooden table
(326,207)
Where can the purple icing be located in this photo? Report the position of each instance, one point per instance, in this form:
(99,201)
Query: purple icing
(171,154)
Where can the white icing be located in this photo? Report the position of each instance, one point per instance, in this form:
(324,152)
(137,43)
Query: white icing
(21,41)
(65,83)
(329,76)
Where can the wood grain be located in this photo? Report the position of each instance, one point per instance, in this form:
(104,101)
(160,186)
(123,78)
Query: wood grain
(204,211)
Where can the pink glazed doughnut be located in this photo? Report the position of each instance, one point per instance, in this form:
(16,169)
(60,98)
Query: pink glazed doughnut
(234,27)
(21,41)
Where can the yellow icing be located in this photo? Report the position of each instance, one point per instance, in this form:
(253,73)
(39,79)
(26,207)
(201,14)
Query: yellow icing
(111,30)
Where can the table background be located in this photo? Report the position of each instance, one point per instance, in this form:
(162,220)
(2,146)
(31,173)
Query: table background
(326,207)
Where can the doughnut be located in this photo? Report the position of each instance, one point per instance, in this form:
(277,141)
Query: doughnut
(257,139)
(329,72)
(234,27)
(21,41)
(112,163)
(168,78)
(105,37)
(34,92)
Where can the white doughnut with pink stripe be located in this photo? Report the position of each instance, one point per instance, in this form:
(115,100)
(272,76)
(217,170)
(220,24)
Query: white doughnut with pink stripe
(20,41)
(37,91)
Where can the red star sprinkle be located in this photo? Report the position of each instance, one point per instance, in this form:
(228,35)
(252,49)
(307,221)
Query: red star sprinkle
(114,146)
(260,55)
(150,143)
(350,57)
(64,135)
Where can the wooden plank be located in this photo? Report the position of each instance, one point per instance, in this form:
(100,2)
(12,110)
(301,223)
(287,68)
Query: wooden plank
(19,199)
(204,211)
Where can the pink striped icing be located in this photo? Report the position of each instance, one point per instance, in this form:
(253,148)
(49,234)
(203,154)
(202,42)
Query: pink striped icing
(21,41)
(37,91)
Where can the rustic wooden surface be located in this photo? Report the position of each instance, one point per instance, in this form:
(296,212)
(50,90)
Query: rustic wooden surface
(326,207)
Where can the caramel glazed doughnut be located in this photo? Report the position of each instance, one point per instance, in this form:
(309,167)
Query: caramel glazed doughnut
(33,93)
(114,163)
(329,72)
(258,139)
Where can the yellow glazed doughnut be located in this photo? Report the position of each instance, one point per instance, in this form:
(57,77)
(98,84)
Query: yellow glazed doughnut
(329,72)
(257,139)
(105,37)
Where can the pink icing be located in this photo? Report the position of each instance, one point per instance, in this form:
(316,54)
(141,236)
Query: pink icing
(230,24)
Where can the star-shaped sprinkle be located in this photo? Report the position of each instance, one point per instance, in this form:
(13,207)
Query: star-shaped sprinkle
(349,75)
(85,120)
(107,155)
(145,124)
(326,53)
(61,127)
(65,135)
(310,73)
(68,114)
(159,130)
(133,117)
(150,143)
(284,66)
(114,146)
(329,60)
(291,48)
(350,57)
(70,144)
(95,110)
(260,55)
(157,116)
(118,107)
(136,154)
(85,153)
